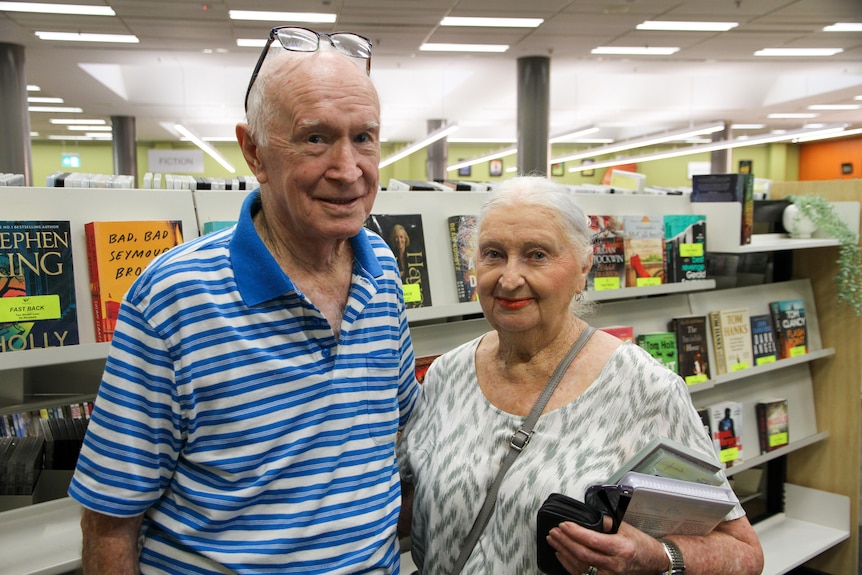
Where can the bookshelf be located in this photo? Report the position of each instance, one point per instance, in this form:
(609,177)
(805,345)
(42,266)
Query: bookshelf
(824,468)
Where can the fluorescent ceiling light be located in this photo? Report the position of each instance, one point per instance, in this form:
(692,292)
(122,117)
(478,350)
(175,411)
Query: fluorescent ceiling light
(99,135)
(437,134)
(69,137)
(795,135)
(644,141)
(205,147)
(79,37)
(570,136)
(834,107)
(251,42)
(34,134)
(493,22)
(90,128)
(844,27)
(810,138)
(38,100)
(857,97)
(792,116)
(463,47)
(259,15)
(486,158)
(747,126)
(39,8)
(55,109)
(798,52)
(592,141)
(33,88)
(482,140)
(672,25)
(635,50)
(64,121)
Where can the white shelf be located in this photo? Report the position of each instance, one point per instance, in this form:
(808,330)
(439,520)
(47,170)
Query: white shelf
(813,522)
(759,369)
(41,357)
(781,451)
(42,539)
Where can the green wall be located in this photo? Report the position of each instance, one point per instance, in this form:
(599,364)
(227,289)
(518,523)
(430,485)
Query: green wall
(777,162)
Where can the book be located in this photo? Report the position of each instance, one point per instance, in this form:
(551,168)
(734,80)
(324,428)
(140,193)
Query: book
(728,188)
(685,247)
(763,339)
(731,339)
(215,225)
(662,346)
(464,244)
(422,365)
(662,506)
(644,250)
(691,346)
(609,260)
(667,458)
(790,327)
(773,423)
(623,332)
(117,253)
(726,422)
(38,308)
(406,238)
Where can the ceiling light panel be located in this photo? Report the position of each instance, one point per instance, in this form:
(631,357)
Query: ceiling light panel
(45,8)
(264,16)
(680,26)
(492,22)
(430,47)
(635,50)
(844,27)
(83,37)
(798,52)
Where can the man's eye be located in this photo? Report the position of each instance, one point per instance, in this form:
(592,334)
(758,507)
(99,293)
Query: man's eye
(315,139)
(363,138)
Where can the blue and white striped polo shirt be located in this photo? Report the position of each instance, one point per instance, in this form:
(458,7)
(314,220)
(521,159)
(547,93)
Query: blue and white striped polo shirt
(255,441)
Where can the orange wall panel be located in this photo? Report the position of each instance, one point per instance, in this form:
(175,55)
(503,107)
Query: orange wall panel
(823,160)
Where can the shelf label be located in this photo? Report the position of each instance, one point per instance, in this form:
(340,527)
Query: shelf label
(778,439)
(645,282)
(693,379)
(412,293)
(600,284)
(766,359)
(691,250)
(728,454)
(30,308)
(740,366)
(797,351)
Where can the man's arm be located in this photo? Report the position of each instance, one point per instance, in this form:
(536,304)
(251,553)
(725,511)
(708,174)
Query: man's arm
(110,544)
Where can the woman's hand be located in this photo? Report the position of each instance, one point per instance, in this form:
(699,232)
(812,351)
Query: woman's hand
(629,551)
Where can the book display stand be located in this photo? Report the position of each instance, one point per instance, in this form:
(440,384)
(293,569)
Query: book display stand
(822,386)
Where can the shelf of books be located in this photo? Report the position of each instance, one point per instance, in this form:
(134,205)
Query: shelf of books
(734,379)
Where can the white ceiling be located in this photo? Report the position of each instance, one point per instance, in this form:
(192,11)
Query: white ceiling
(187,68)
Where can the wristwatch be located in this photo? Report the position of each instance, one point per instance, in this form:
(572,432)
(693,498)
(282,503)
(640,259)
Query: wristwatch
(677,565)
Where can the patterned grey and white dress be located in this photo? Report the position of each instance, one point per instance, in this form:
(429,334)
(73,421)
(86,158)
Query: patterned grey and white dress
(455,441)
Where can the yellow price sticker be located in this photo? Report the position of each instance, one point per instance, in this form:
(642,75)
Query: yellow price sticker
(766,359)
(691,250)
(644,282)
(412,293)
(30,308)
(778,439)
(600,284)
(797,351)
(729,454)
(693,379)
(740,366)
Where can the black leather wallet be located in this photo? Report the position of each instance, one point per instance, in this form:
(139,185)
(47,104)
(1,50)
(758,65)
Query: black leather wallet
(601,500)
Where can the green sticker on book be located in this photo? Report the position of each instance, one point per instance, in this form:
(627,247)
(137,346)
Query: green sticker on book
(778,439)
(693,379)
(412,293)
(643,282)
(606,283)
(728,454)
(797,351)
(765,359)
(30,308)
(740,366)
(691,250)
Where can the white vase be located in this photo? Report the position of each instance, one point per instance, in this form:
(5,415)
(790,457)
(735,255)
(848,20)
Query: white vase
(797,224)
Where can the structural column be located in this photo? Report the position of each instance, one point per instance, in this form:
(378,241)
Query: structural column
(719,160)
(15,154)
(534,81)
(438,153)
(125,147)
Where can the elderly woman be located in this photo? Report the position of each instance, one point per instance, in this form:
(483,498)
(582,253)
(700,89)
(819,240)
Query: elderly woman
(534,254)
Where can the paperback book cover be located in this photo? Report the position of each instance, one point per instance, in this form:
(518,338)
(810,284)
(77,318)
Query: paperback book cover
(667,458)
(731,339)
(773,423)
(644,250)
(623,332)
(726,422)
(464,243)
(37,286)
(117,253)
(662,506)
(662,346)
(405,236)
(609,260)
(791,331)
(422,365)
(685,247)
(763,339)
(728,188)
(692,350)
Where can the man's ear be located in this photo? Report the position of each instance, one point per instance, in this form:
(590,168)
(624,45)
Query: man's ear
(250,151)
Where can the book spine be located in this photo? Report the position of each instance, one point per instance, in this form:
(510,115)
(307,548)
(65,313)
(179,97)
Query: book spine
(762,427)
(461,288)
(717,341)
(95,280)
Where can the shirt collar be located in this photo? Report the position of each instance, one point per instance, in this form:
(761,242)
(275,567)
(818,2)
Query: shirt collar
(259,278)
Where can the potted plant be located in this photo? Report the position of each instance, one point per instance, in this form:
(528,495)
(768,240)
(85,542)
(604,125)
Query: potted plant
(823,216)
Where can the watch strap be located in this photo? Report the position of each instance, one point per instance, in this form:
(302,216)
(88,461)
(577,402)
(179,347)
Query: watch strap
(674,555)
